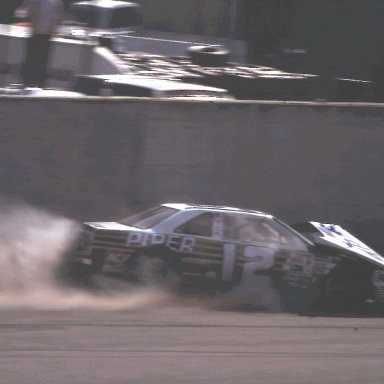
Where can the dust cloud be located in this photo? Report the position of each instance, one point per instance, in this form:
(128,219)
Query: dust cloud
(32,246)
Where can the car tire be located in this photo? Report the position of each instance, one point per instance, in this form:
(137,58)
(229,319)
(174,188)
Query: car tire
(344,289)
(156,271)
(77,275)
(208,56)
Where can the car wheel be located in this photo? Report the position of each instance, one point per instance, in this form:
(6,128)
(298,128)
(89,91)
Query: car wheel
(156,271)
(344,290)
(78,275)
(208,56)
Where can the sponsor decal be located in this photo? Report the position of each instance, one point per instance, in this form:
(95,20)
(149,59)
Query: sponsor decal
(218,226)
(178,243)
(114,261)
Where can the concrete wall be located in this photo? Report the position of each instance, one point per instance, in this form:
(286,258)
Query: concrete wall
(98,159)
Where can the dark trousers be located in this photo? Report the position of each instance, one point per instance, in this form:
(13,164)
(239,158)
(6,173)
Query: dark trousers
(34,70)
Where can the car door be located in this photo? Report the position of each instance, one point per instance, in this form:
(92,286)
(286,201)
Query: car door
(205,258)
(259,245)
(227,246)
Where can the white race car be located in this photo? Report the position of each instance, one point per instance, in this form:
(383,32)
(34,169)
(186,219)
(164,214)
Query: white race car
(180,243)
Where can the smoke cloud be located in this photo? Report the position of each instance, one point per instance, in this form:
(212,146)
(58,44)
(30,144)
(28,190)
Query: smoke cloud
(32,247)
(33,244)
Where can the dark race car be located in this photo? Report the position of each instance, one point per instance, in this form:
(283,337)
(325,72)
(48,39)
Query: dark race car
(175,244)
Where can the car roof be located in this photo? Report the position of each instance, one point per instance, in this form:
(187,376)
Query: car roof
(38,92)
(105,4)
(214,208)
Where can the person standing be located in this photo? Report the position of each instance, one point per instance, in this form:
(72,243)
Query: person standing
(44,16)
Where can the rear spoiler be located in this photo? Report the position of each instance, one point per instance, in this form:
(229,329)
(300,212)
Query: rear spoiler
(335,237)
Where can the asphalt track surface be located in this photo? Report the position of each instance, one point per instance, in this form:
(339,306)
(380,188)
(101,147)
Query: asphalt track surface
(160,341)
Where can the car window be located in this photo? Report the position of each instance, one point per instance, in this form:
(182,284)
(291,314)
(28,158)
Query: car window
(198,226)
(250,229)
(149,218)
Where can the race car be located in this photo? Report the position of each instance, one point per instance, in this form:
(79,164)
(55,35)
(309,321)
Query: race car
(173,244)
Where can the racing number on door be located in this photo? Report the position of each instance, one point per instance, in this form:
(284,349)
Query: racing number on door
(228,261)
(260,259)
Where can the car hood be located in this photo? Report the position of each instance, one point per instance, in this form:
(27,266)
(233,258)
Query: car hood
(336,237)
